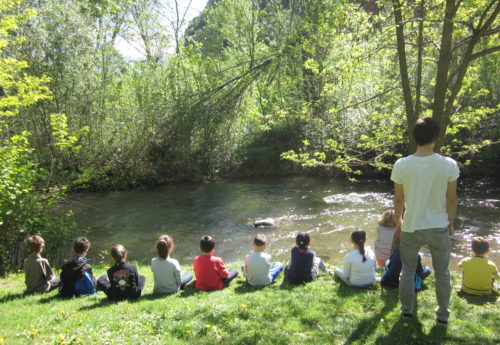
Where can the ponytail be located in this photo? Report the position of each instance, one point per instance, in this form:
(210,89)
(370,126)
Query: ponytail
(359,238)
(302,240)
(164,245)
(119,253)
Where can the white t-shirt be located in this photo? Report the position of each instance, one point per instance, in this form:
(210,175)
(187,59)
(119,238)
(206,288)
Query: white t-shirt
(357,272)
(167,275)
(256,269)
(425,182)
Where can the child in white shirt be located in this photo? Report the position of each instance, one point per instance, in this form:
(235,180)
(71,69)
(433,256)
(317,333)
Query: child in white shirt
(166,271)
(257,269)
(359,265)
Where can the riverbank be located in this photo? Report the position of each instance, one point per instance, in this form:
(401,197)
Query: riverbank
(321,312)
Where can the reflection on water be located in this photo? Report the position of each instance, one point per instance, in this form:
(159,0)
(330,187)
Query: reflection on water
(328,209)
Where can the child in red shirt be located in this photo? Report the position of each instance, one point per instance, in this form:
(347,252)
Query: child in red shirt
(211,274)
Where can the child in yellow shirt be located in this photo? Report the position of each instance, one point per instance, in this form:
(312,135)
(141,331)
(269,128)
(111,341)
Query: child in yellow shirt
(478,272)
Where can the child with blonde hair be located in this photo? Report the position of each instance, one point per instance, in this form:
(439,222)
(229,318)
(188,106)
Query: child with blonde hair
(39,276)
(385,230)
(166,270)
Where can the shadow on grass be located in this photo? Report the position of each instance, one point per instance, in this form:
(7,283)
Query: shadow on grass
(477,300)
(12,296)
(367,326)
(105,302)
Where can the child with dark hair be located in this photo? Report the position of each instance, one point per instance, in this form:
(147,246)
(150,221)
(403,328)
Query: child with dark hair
(478,272)
(38,273)
(166,270)
(123,280)
(77,278)
(385,231)
(257,269)
(304,264)
(394,265)
(359,264)
(211,274)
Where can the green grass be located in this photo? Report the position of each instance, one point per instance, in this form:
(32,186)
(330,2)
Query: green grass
(321,312)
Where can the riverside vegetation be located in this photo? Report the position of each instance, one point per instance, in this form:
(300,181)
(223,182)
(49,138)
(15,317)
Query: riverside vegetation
(321,312)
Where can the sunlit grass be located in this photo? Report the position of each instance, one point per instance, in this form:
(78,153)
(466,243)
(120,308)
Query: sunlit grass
(322,312)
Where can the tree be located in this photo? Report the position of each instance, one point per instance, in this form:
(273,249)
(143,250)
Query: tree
(467,33)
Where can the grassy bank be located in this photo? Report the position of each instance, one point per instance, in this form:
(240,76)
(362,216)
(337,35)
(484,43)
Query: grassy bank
(322,312)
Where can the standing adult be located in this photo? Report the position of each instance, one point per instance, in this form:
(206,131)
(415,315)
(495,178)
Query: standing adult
(427,183)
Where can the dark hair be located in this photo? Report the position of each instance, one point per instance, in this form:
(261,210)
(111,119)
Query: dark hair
(426,131)
(118,252)
(81,245)
(207,243)
(260,240)
(480,245)
(302,240)
(359,238)
(163,246)
(35,244)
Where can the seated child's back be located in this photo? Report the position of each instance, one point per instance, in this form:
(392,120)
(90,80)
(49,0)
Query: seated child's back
(257,269)
(478,271)
(39,276)
(77,278)
(210,270)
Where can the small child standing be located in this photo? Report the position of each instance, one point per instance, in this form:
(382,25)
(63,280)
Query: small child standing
(166,271)
(304,264)
(211,274)
(359,264)
(386,229)
(77,278)
(257,269)
(123,280)
(478,272)
(38,273)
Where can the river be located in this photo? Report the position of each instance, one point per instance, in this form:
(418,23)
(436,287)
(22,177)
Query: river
(329,209)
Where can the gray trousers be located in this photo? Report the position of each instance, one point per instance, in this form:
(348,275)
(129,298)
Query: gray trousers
(439,244)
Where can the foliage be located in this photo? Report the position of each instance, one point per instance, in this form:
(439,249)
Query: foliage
(322,312)
(24,204)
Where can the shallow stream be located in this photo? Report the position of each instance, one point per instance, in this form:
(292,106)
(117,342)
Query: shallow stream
(327,208)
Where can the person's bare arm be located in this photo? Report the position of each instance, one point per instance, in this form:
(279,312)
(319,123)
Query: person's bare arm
(451,204)
(399,204)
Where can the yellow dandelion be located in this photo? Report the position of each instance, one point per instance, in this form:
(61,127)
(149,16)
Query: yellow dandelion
(207,326)
(188,331)
(405,324)
(244,306)
(34,332)
(61,310)
(2,340)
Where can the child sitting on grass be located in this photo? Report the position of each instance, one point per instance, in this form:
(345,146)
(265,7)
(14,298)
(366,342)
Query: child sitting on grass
(257,269)
(77,278)
(394,266)
(38,274)
(166,271)
(211,274)
(359,264)
(478,272)
(304,264)
(123,280)
(386,229)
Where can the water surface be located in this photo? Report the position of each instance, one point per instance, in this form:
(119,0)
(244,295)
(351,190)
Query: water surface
(328,209)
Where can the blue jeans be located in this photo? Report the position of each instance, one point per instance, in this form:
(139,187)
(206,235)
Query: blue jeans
(232,274)
(275,270)
(186,278)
